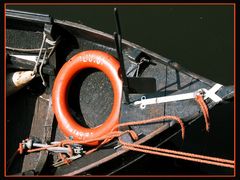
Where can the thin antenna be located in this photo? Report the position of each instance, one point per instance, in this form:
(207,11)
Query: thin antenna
(118,42)
(118,27)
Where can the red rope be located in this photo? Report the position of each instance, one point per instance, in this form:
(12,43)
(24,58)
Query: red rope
(179,154)
(189,158)
(199,99)
(154,120)
(147,149)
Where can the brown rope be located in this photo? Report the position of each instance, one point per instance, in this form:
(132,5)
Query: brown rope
(199,99)
(189,158)
(147,149)
(153,120)
(177,152)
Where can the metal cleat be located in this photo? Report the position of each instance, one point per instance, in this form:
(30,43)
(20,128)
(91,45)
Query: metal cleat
(78,150)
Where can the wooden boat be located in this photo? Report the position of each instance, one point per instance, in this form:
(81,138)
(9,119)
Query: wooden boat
(42,45)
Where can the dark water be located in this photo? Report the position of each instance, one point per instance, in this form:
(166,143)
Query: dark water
(199,38)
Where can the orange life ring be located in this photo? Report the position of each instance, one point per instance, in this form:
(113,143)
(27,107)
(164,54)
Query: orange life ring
(87,59)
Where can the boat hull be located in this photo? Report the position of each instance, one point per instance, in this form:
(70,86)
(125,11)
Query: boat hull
(91,90)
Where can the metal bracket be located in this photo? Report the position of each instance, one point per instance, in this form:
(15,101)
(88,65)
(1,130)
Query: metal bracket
(179,97)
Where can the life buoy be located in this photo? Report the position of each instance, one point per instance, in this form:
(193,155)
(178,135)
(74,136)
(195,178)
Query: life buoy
(87,59)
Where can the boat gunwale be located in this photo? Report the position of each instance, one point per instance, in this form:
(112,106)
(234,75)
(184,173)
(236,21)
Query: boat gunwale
(82,27)
(161,58)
